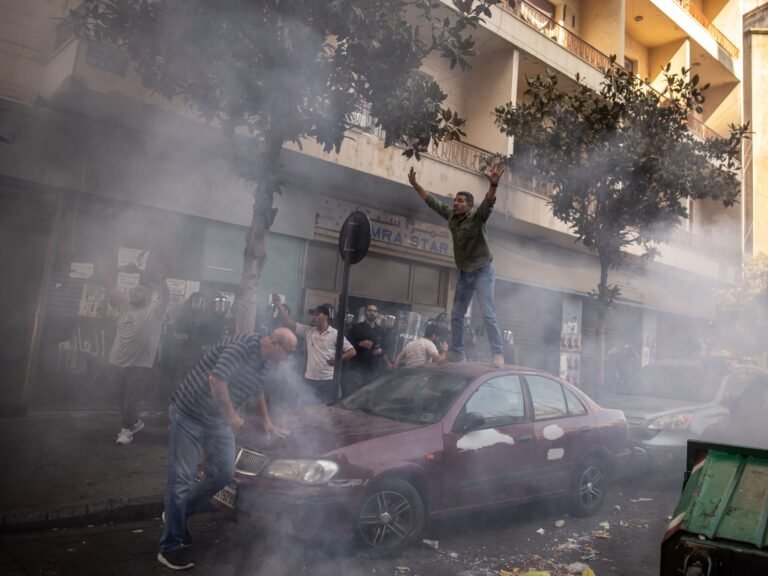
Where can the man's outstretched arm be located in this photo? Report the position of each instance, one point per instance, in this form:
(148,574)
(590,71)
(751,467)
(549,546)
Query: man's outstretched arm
(432,202)
(494,176)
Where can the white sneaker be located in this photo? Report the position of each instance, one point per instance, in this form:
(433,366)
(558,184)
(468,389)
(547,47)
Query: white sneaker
(498,360)
(124,437)
(138,425)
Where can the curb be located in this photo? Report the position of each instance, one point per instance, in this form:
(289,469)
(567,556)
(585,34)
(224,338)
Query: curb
(113,510)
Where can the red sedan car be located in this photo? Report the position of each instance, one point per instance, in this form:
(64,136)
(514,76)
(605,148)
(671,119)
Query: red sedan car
(421,443)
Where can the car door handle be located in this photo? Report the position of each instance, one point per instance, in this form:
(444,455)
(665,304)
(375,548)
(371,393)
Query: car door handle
(585,429)
(523,439)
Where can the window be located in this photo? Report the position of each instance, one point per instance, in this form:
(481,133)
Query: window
(630,65)
(575,406)
(500,401)
(547,396)
(320,269)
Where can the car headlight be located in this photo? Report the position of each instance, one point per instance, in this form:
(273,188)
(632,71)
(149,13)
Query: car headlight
(304,471)
(671,421)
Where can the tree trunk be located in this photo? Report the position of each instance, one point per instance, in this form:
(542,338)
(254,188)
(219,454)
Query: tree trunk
(603,305)
(255,253)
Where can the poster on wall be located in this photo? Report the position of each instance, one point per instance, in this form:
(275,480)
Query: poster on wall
(191,287)
(177,289)
(81,270)
(132,259)
(126,281)
(93,301)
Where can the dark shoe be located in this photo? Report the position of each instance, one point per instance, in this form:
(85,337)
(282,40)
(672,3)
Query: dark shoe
(187,542)
(454,356)
(175,560)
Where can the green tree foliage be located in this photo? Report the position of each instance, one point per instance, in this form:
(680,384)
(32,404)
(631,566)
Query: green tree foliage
(622,160)
(290,70)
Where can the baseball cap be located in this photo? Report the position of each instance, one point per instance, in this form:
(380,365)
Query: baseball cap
(322,309)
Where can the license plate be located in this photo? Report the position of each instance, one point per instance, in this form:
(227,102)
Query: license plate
(226,497)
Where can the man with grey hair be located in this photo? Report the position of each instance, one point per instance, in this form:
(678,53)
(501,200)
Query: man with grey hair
(473,259)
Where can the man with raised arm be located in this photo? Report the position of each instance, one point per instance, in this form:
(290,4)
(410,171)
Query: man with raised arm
(139,323)
(473,259)
(321,351)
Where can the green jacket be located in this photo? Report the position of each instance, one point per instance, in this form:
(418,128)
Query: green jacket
(470,240)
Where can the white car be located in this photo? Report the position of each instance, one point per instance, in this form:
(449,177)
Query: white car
(672,401)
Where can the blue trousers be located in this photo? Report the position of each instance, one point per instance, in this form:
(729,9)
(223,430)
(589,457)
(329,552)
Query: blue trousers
(187,441)
(478,283)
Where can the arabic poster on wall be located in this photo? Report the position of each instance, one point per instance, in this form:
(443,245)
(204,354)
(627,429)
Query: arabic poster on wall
(93,301)
(132,259)
(81,270)
(126,281)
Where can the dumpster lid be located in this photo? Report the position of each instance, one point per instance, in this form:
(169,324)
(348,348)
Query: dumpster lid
(726,495)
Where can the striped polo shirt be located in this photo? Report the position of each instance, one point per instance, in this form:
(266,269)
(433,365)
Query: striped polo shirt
(237,361)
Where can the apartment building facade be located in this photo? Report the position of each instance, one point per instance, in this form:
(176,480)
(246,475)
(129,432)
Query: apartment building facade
(93,164)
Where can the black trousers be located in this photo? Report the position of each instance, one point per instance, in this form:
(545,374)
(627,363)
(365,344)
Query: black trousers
(131,383)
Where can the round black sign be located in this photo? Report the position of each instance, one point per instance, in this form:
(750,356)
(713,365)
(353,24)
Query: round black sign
(355,237)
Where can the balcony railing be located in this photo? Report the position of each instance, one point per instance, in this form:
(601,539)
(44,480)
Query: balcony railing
(540,21)
(543,23)
(702,19)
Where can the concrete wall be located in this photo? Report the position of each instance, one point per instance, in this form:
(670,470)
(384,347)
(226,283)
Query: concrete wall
(635,50)
(492,82)
(602,25)
(676,53)
(722,107)
(27,35)
(756,111)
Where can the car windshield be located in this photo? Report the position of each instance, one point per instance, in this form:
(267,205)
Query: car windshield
(696,383)
(417,396)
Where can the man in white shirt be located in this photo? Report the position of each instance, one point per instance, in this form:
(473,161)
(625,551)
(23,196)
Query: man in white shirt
(137,338)
(321,350)
(421,351)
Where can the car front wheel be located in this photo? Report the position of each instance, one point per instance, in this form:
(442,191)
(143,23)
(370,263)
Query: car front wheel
(391,516)
(588,487)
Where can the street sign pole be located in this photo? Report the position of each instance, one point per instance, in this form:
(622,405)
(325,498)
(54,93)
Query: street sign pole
(354,240)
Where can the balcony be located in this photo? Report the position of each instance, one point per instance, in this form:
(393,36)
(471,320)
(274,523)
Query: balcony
(702,19)
(541,22)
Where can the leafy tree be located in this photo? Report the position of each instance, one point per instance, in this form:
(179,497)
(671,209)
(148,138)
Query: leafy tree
(622,161)
(288,70)
(742,315)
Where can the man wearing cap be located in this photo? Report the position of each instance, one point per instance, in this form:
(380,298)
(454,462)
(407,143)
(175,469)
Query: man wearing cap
(137,338)
(321,350)
(473,259)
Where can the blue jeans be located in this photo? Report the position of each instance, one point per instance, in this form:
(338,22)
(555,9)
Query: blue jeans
(480,282)
(187,441)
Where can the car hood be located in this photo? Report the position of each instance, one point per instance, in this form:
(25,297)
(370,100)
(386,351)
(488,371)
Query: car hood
(318,430)
(642,407)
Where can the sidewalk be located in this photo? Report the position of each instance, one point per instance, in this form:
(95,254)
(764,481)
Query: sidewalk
(64,468)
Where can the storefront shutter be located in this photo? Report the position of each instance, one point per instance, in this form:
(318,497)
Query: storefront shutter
(535,316)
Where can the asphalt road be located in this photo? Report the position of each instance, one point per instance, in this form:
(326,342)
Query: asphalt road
(523,537)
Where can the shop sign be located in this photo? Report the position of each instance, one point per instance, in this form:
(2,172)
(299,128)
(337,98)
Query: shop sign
(387,228)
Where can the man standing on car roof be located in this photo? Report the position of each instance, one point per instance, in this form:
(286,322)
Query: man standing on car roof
(204,421)
(473,259)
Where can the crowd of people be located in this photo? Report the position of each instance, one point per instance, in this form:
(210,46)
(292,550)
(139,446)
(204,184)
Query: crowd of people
(220,371)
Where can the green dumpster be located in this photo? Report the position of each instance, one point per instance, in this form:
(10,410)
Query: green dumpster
(719,525)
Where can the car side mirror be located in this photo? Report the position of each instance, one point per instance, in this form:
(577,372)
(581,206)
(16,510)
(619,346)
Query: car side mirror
(472,421)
